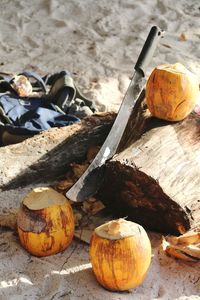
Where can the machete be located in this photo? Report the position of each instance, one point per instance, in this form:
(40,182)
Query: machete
(91,180)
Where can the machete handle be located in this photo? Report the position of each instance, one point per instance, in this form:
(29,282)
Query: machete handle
(148,49)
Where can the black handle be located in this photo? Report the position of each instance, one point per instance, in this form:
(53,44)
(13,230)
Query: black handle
(148,49)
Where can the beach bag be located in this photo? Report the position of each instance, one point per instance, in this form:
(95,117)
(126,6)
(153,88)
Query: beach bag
(55,101)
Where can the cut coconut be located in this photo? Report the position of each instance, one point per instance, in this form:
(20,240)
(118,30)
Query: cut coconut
(43,197)
(45,222)
(118,229)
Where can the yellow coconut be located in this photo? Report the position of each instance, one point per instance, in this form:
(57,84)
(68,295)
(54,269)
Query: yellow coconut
(120,253)
(172,92)
(45,222)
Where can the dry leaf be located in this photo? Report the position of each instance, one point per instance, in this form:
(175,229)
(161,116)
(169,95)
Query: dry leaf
(92,199)
(64,184)
(78,169)
(92,208)
(182,37)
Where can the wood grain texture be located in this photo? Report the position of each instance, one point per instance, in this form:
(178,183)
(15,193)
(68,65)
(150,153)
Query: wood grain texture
(46,156)
(156,180)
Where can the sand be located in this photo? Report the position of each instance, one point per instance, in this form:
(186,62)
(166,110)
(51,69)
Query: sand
(98,42)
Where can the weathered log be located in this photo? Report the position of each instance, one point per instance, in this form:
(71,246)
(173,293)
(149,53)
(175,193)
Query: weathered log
(156,180)
(46,156)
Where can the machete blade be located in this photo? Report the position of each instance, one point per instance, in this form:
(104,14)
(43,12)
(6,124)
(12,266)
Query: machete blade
(89,183)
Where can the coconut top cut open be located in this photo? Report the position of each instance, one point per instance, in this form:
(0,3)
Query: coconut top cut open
(118,229)
(43,197)
(177,68)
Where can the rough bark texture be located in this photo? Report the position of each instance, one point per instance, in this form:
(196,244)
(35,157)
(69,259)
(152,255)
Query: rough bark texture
(156,180)
(46,156)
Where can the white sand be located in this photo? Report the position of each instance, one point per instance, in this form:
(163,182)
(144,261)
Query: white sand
(98,42)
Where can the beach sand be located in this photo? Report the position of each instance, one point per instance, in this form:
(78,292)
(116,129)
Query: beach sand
(98,42)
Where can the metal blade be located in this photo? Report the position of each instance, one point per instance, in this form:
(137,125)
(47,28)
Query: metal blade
(89,183)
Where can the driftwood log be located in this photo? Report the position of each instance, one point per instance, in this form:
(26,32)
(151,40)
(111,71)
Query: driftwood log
(46,156)
(155,180)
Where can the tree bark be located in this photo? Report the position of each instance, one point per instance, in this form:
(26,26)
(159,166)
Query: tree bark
(155,181)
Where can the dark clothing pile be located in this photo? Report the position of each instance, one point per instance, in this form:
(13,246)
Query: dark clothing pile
(56,102)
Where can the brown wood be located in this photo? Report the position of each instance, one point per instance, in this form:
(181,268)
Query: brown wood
(156,180)
(46,156)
